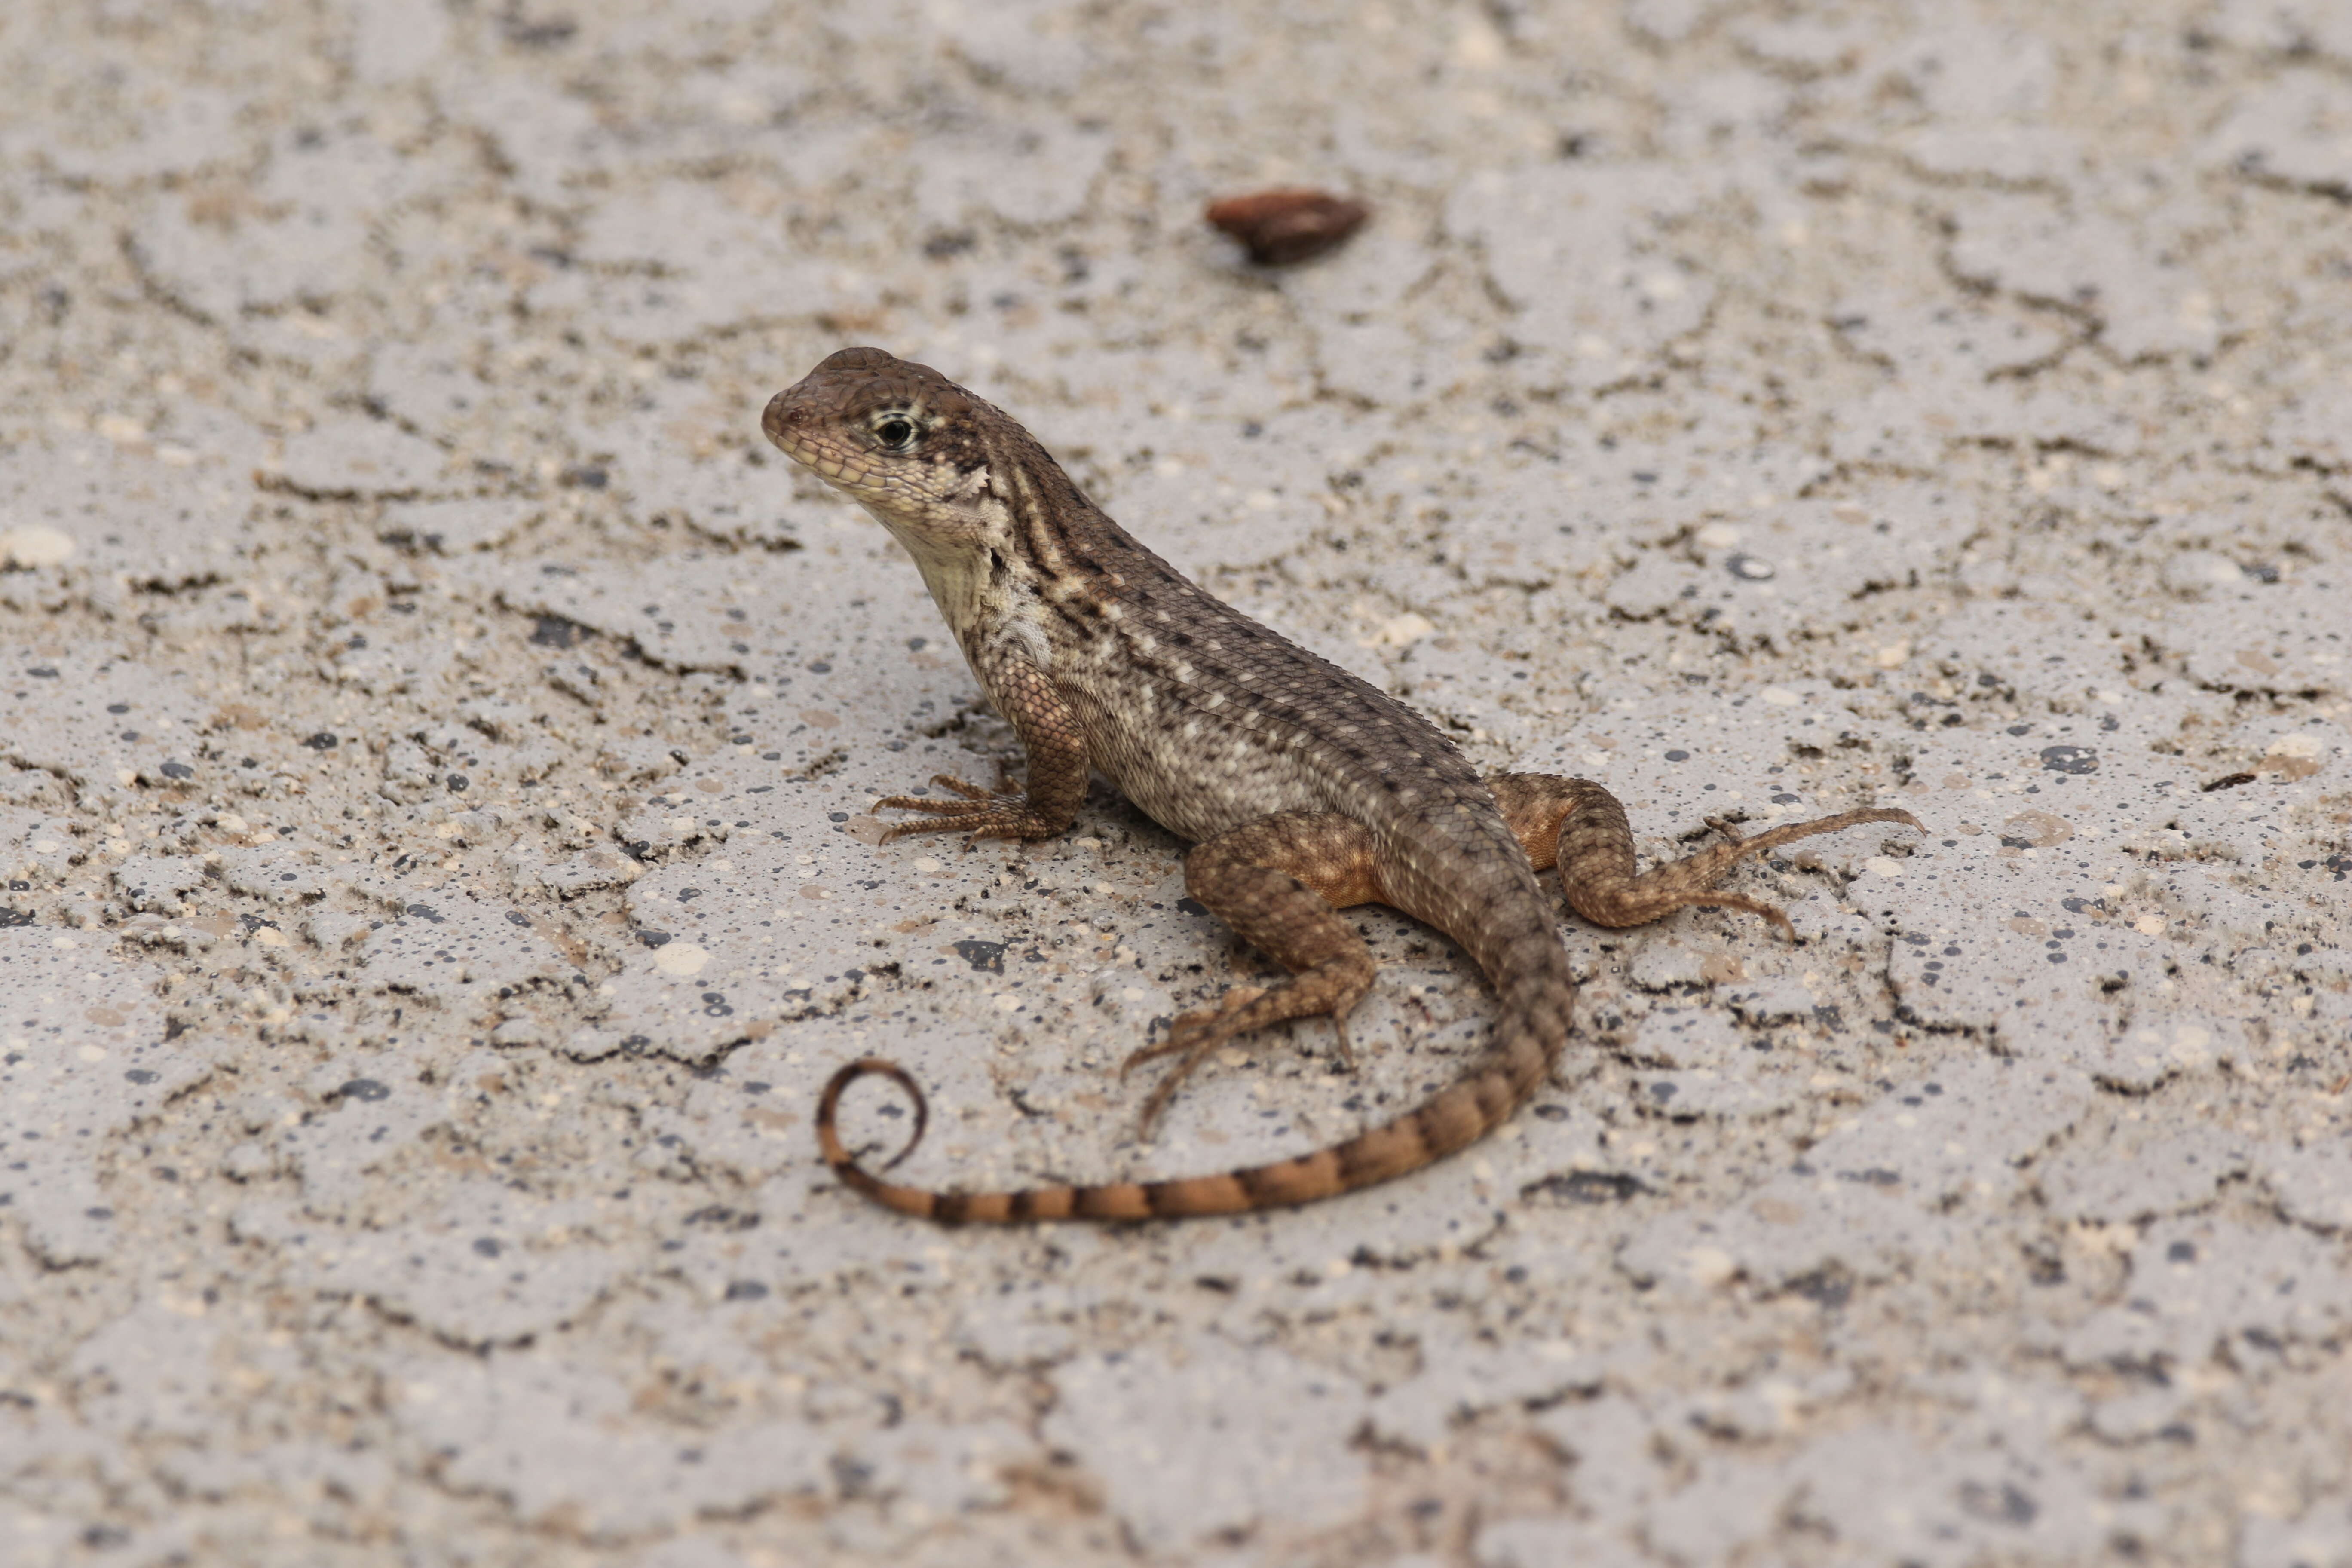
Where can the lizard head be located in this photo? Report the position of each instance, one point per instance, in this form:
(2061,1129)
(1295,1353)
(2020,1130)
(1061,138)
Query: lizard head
(902,440)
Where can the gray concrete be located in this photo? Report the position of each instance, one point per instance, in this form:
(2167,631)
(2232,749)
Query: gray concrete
(436,741)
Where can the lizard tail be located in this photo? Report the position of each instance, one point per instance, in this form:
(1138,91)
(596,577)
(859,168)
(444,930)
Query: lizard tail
(1459,1114)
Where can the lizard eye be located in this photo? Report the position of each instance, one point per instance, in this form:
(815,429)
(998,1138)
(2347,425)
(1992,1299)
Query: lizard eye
(895,434)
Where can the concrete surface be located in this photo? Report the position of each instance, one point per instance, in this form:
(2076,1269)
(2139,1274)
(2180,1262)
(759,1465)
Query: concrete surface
(438,737)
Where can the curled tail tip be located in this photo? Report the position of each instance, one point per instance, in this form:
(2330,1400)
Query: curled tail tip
(844,1165)
(828,1135)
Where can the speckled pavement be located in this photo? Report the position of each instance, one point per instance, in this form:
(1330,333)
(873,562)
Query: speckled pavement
(437,741)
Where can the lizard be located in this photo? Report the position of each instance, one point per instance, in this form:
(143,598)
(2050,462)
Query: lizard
(1303,789)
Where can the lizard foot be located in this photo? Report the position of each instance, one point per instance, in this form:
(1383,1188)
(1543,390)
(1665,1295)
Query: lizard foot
(1001,813)
(1329,992)
(1580,826)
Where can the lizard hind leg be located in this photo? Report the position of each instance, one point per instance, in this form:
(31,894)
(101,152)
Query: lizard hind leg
(1580,826)
(1280,882)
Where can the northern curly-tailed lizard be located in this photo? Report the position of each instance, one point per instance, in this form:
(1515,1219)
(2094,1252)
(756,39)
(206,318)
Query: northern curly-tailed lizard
(1303,789)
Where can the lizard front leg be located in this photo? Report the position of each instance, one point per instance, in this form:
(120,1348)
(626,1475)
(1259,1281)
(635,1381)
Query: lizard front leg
(1280,882)
(1580,826)
(1056,748)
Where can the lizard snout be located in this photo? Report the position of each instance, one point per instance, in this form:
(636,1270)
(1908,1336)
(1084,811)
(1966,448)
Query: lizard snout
(786,418)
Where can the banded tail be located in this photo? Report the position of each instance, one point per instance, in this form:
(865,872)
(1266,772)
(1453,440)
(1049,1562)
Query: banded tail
(1456,1116)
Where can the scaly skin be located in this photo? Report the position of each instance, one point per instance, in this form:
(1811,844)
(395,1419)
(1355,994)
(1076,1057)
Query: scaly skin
(1304,789)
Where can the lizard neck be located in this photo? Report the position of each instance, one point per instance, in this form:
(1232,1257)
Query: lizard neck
(956,572)
(1032,574)
(1048,570)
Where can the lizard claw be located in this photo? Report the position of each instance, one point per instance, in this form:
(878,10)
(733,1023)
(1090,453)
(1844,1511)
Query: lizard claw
(1341,1048)
(949,782)
(1192,1037)
(1004,812)
(982,813)
(1183,1031)
(1240,1011)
